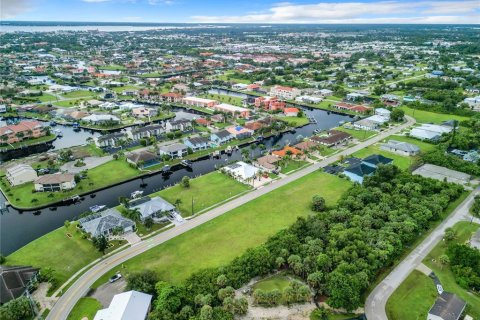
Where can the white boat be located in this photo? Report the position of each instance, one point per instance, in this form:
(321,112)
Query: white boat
(58,132)
(136,194)
(97,208)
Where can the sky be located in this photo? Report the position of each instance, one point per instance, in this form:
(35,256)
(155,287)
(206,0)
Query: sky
(249,11)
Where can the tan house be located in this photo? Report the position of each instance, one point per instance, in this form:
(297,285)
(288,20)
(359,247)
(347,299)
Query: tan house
(55,182)
(21,131)
(20,174)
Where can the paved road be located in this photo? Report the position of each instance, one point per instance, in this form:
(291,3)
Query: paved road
(377,300)
(67,301)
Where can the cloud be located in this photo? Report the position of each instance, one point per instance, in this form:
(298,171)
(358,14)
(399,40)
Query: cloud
(462,11)
(159,2)
(11,8)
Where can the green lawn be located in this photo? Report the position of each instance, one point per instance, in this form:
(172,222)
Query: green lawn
(413,298)
(45,97)
(86,307)
(398,160)
(427,116)
(292,165)
(68,103)
(113,67)
(28,142)
(79,94)
(295,121)
(206,191)
(279,282)
(423,145)
(106,174)
(127,87)
(358,134)
(220,240)
(236,101)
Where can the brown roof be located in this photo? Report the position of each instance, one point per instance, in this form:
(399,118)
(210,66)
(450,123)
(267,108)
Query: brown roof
(268,161)
(306,145)
(334,136)
(141,156)
(55,178)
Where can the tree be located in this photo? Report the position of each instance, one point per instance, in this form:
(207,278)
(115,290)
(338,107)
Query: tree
(66,224)
(148,222)
(169,297)
(397,115)
(100,243)
(16,309)
(2,259)
(133,214)
(143,281)
(185,183)
(318,203)
(444,260)
(222,280)
(206,313)
(450,234)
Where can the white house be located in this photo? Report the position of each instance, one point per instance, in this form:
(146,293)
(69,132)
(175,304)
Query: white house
(241,170)
(55,182)
(429,131)
(20,174)
(383,113)
(286,93)
(100,118)
(3,108)
(176,150)
(400,147)
(130,305)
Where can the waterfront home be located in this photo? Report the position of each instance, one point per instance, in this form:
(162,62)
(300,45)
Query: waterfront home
(221,137)
(197,143)
(269,103)
(239,132)
(233,110)
(400,147)
(239,86)
(143,112)
(306,145)
(287,93)
(203,122)
(22,131)
(286,151)
(55,182)
(241,171)
(106,223)
(100,119)
(385,113)
(130,305)
(268,162)
(183,125)
(217,118)
(291,112)
(20,174)
(108,105)
(353,108)
(109,140)
(156,208)
(308,99)
(176,150)
(142,159)
(335,137)
(199,102)
(16,281)
(138,133)
(74,115)
(171,97)
(447,306)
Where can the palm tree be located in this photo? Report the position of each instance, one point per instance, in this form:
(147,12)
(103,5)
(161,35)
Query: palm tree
(133,214)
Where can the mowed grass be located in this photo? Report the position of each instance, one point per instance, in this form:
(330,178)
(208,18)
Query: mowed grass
(413,298)
(398,160)
(218,241)
(295,121)
(86,307)
(358,134)
(279,282)
(293,165)
(205,191)
(79,94)
(430,117)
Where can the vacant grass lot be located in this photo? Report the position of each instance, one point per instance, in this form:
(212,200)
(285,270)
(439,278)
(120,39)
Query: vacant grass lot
(293,165)
(85,308)
(106,174)
(431,117)
(79,94)
(220,240)
(398,160)
(295,121)
(358,134)
(205,191)
(413,298)
(223,98)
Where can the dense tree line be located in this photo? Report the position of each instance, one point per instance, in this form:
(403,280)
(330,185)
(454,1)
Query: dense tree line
(338,252)
(440,158)
(465,264)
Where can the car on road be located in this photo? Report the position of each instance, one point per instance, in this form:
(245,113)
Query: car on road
(115,278)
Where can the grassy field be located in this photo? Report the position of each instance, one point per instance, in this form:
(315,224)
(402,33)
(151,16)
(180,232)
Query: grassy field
(278,282)
(237,101)
(205,191)
(292,165)
(85,308)
(45,97)
(68,103)
(113,67)
(219,241)
(398,160)
(424,146)
(79,94)
(103,175)
(122,88)
(427,117)
(358,134)
(413,298)
(29,142)
(295,121)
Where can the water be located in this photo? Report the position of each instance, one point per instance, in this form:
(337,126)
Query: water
(19,228)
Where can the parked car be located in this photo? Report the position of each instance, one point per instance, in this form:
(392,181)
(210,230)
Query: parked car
(114,278)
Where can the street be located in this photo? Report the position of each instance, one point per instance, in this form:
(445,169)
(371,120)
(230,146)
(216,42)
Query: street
(81,286)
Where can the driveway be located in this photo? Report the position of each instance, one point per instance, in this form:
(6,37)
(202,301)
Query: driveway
(105,292)
(90,163)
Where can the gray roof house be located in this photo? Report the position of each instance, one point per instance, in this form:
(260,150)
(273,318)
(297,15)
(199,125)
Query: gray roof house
(400,147)
(105,223)
(447,307)
(14,281)
(152,207)
(176,150)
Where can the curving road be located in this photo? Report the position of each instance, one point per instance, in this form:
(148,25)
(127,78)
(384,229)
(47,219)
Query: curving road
(80,287)
(377,300)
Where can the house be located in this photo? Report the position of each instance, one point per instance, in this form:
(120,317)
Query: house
(16,281)
(55,182)
(241,171)
(335,137)
(3,108)
(353,108)
(106,223)
(171,97)
(447,306)
(101,118)
(199,102)
(20,174)
(365,124)
(239,86)
(356,172)
(109,140)
(291,112)
(429,131)
(156,208)
(382,112)
(269,103)
(138,133)
(400,147)
(203,122)
(217,118)
(308,99)
(375,160)
(143,112)
(390,100)
(286,93)
(287,150)
(268,162)
(221,137)
(142,159)
(233,110)
(197,143)
(326,92)
(75,115)
(240,132)
(21,131)
(306,145)
(130,305)
(176,150)
(183,125)
(443,174)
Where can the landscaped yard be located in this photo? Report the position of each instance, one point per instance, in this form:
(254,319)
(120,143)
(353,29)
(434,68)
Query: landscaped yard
(86,307)
(29,142)
(295,121)
(292,165)
(358,134)
(427,117)
(205,191)
(398,160)
(219,241)
(279,282)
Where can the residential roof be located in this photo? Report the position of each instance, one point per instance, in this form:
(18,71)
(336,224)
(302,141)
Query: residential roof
(97,224)
(377,159)
(149,206)
(197,140)
(55,178)
(20,168)
(360,169)
(22,126)
(268,161)
(143,155)
(283,152)
(222,134)
(400,145)
(173,147)
(448,306)
(242,169)
(131,305)
(115,135)
(13,281)
(291,110)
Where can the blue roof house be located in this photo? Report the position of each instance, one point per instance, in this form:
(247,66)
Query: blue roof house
(197,143)
(356,172)
(221,137)
(376,159)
